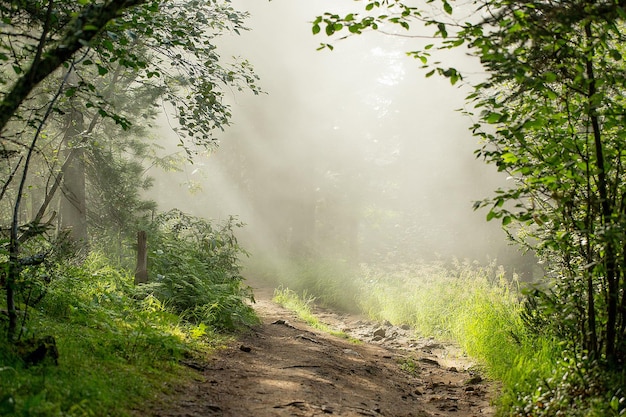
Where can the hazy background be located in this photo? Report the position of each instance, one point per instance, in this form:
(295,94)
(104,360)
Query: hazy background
(351,154)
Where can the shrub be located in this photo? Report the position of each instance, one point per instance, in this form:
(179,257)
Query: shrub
(195,270)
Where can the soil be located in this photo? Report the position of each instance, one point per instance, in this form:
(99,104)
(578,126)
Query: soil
(283,367)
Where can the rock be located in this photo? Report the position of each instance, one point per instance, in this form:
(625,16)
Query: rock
(433,346)
(245,348)
(405,327)
(429,361)
(380,332)
(476,379)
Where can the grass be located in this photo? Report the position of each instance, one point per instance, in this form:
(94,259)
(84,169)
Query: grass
(301,305)
(332,283)
(116,351)
(479,308)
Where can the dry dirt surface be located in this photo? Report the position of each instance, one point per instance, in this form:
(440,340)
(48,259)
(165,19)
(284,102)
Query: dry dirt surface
(283,367)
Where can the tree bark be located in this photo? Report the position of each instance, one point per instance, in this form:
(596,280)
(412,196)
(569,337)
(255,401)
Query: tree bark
(73,210)
(610,259)
(141,273)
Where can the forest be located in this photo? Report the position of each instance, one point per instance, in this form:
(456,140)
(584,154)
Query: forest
(115,287)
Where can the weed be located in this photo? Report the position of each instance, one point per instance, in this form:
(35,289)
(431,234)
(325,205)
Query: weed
(302,306)
(409,365)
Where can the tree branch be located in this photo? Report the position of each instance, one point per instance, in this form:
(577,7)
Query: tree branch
(81,30)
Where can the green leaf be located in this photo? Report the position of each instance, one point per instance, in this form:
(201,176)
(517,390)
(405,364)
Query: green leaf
(493,118)
(70,92)
(102,70)
(550,77)
(509,158)
(506,220)
(447,7)
(316,29)
(442,30)
(108,45)
(615,54)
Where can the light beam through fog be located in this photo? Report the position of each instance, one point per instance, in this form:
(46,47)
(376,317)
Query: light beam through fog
(351,153)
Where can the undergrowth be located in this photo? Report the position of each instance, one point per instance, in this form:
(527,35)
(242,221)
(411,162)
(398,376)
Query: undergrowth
(110,347)
(483,311)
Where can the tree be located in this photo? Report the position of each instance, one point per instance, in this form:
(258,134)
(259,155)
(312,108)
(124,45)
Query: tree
(550,112)
(45,43)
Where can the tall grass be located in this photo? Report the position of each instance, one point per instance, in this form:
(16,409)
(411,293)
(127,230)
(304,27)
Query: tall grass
(477,307)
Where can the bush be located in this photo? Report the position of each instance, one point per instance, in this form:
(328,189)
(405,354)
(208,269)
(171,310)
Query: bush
(195,271)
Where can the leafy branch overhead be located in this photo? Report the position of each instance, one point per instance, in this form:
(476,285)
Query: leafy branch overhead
(167,44)
(397,18)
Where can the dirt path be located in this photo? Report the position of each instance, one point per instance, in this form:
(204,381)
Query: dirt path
(285,368)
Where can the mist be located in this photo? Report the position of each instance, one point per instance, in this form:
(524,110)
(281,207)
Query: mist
(351,153)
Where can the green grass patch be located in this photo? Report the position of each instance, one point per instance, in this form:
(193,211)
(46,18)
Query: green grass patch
(302,306)
(109,347)
(115,352)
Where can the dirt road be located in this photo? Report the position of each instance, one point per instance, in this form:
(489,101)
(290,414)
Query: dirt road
(285,368)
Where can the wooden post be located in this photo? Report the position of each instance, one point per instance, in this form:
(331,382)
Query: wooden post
(141,273)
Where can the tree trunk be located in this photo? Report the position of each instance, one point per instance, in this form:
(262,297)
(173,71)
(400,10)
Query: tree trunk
(73,210)
(610,256)
(141,273)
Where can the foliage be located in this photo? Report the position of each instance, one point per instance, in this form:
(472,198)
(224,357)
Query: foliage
(118,32)
(195,270)
(103,334)
(550,113)
(76,75)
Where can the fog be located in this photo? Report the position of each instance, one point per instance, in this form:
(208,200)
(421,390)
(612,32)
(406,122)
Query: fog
(351,153)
